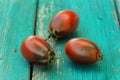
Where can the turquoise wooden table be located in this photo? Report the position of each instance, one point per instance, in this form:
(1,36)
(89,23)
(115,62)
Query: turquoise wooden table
(99,22)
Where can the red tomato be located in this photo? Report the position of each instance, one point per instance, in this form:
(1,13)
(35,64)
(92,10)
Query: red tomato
(82,51)
(63,24)
(37,50)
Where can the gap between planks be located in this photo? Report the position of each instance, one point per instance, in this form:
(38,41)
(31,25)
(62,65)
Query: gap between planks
(36,15)
(34,33)
(116,11)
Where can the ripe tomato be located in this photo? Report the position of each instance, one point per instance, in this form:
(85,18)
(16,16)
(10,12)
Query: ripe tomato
(37,50)
(82,51)
(63,24)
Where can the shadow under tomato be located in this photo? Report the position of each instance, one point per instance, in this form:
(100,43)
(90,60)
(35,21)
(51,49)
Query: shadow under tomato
(73,35)
(44,68)
(88,68)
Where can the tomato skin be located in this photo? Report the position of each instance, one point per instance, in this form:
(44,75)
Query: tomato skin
(36,50)
(82,51)
(64,23)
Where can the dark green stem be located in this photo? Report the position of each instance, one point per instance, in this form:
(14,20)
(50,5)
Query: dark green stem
(53,36)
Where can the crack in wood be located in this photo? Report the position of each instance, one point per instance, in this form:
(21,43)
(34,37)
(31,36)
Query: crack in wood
(117,12)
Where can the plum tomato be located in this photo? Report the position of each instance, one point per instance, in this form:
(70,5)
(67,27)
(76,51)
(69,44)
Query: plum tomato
(63,24)
(82,51)
(37,50)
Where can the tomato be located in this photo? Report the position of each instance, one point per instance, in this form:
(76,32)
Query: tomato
(63,24)
(37,50)
(82,51)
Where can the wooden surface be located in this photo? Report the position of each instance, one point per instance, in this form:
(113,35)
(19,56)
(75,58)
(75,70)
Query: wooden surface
(16,23)
(99,22)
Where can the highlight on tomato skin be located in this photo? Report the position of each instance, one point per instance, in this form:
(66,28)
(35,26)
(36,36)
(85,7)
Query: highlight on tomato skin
(37,50)
(63,24)
(82,51)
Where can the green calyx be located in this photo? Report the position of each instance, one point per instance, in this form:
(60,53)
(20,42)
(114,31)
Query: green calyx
(51,58)
(53,36)
(100,57)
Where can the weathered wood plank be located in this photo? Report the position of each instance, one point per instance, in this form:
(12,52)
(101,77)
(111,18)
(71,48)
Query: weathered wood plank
(97,23)
(16,22)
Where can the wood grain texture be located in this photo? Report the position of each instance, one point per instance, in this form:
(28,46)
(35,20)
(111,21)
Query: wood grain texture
(97,23)
(16,23)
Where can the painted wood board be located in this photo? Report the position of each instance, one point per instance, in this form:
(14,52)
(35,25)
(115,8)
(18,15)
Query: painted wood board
(97,23)
(16,23)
